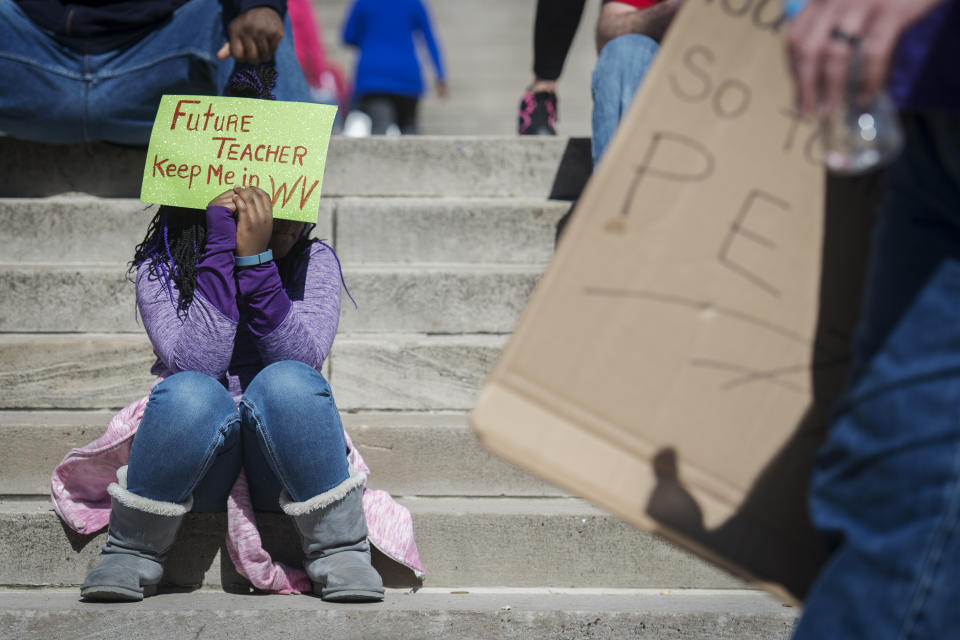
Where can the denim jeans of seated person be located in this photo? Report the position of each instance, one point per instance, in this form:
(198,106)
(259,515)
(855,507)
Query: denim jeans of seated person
(109,89)
(621,66)
(885,492)
(193,439)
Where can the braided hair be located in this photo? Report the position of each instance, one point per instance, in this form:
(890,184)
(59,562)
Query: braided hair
(171,248)
(177,236)
(253,82)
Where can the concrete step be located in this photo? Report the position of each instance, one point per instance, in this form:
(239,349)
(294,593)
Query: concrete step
(407,372)
(398,298)
(425,454)
(410,372)
(507,542)
(451,230)
(79,228)
(464,166)
(492,614)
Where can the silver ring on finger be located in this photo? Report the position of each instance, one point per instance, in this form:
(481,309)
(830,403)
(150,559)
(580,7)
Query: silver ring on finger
(843,36)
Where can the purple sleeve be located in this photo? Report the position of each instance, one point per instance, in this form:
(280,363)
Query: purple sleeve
(201,341)
(306,333)
(215,279)
(263,293)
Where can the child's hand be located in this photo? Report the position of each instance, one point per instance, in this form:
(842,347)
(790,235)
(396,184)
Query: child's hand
(254,220)
(225,199)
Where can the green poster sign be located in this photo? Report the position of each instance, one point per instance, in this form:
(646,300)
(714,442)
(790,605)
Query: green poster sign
(202,146)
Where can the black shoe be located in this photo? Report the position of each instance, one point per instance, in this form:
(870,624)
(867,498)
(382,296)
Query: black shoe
(538,114)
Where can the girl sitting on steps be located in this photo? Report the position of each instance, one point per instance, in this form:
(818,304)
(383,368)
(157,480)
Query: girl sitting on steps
(240,336)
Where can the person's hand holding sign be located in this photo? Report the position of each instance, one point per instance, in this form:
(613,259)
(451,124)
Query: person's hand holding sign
(824,35)
(254,220)
(253,36)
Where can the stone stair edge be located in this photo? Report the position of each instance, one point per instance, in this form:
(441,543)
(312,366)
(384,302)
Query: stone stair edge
(524,598)
(409,453)
(559,505)
(493,542)
(513,165)
(364,139)
(461,298)
(386,230)
(82,197)
(359,267)
(45,417)
(461,613)
(371,371)
(469,338)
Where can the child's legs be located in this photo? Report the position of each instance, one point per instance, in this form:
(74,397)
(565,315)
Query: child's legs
(189,433)
(407,114)
(262,482)
(382,111)
(288,410)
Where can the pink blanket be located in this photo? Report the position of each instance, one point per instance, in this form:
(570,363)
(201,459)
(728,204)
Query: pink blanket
(79,493)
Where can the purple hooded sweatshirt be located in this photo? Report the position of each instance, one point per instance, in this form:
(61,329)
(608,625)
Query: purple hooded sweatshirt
(237,325)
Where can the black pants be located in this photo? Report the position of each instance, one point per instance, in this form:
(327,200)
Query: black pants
(385,109)
(556,24)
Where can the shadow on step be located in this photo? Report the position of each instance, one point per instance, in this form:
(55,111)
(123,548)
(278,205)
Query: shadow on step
(575,168)
(101,169)
(769,534)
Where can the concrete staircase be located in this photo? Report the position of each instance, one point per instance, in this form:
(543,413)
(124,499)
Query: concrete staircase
(488,48)
(441,239)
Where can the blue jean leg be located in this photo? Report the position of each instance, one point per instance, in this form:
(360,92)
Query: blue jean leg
(52,93)
(157,67)
(188,443)
(620,68)
(42,81)
(288,409)
(885,492)
(125,86)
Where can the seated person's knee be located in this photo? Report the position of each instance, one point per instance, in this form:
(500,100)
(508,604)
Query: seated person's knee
(288,379)
(191,393)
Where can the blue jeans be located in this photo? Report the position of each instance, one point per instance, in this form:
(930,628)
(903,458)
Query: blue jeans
(193,439)
(885,492)
(621,66)
(57,94)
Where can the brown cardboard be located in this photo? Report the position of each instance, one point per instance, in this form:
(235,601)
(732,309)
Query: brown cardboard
(677,362)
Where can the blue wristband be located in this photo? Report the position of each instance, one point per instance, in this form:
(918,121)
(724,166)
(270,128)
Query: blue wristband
(249,261)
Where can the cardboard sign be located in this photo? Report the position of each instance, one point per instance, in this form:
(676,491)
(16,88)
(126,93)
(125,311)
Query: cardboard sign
(202,146)
(677,362)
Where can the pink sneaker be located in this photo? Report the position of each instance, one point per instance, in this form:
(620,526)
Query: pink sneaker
(538,114)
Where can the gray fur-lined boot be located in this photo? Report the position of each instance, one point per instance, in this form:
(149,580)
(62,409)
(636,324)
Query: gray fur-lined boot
(333,532)
(141,533)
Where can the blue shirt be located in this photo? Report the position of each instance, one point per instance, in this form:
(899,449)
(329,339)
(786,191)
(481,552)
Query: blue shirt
(385,32)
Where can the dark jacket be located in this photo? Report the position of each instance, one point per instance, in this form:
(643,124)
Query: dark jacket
(96,18)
